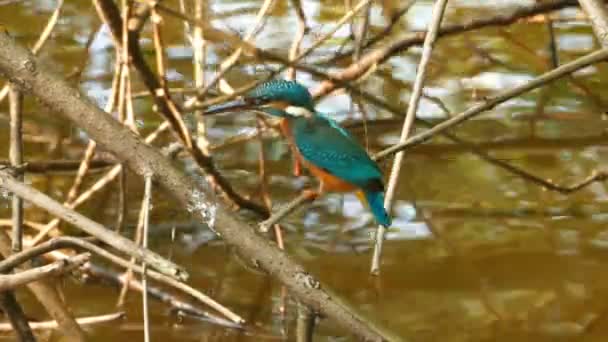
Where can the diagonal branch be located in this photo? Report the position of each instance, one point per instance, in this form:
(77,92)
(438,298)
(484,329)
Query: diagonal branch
(17,64)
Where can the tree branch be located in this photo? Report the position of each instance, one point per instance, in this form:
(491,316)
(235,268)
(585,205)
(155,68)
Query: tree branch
(31,76)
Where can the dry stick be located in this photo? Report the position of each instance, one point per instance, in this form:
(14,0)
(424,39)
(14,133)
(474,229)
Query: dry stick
(162,92)
(91,227)
(229,62)
(305,324)
(144,278)
(260,20)
(71,201)
(493,101)
(71,242)
(386,31)
(278,233)
(552,46)
(199,47)
(44,36)
(297,40)
(264,226)
(143,159)
(18,321)
(169,109)
(26,223)
(90,151)
(596,12)
(345,18)
(438,10)
(82,321)
(84,196)
(380,54)
(49,166)
(12,281)
(16,159)
(100,184)
(108,276)
(48,296)
(502,19)
(8,302)
(128,276)
(362,32)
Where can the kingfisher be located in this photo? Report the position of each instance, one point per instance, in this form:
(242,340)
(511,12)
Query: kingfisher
(317,142)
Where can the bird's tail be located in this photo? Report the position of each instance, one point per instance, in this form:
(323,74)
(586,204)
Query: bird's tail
(375,201)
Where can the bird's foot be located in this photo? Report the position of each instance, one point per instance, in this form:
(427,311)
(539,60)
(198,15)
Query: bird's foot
(297,167)
(310,194)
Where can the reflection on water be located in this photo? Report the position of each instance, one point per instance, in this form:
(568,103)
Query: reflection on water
(476,252)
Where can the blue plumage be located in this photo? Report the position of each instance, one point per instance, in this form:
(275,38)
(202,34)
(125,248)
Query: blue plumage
(334,150)
(375,200)
(330,152)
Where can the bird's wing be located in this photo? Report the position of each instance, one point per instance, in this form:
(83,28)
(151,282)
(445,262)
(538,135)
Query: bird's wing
(322,142)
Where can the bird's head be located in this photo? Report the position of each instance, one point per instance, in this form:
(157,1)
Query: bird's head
(276,97)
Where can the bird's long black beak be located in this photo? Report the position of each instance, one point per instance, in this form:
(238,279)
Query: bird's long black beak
(231,106)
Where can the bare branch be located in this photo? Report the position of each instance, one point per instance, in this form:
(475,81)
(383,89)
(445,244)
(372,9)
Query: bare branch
(144,159)
(12,281)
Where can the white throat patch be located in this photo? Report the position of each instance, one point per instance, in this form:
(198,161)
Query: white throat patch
(298,111)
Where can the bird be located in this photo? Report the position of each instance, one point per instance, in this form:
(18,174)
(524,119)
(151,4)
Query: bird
(317,142)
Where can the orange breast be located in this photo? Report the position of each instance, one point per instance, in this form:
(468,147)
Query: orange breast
(330,182)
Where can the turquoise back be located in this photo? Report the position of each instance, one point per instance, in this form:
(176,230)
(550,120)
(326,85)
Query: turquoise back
(325,144)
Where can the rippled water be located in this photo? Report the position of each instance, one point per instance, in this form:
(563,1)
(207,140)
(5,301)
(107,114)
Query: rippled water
(476,253)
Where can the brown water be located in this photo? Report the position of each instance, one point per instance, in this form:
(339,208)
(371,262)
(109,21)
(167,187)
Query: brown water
(476,253)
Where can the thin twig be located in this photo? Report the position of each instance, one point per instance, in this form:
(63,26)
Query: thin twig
(170,110)
(199,47)
(598,16)
(12,281)
(305,324)
(128,275)
(284,211)
(16,316)
(42,39)
(493,101)
(16,159)
(438,10)
(231,60)
(48,296)
(297,40)
(144,278)
(71,242)
(82,321)
(87,225)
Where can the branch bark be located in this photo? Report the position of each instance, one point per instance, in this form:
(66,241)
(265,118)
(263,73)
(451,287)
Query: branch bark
(12,281)
(49,298)
(22,68)
(18,321)
(596,11)
(91,227)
